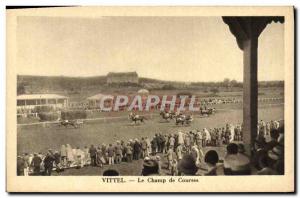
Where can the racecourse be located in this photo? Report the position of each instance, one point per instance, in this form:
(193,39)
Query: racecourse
(39,137)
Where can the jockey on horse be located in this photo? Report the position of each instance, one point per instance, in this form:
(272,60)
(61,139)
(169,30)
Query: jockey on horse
(181,118)
(135,117)
(166,114)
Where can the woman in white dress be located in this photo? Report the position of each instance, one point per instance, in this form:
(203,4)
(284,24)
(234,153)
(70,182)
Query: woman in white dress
(207,136)
(180,138)
(179,152)
(195,153)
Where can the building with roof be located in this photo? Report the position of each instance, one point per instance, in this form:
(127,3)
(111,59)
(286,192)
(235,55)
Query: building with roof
(122,77)
(94,101)
(30,101)
(143,92)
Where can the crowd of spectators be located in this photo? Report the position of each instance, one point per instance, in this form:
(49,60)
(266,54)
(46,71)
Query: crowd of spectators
(180,153)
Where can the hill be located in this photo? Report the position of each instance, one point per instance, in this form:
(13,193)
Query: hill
(80,87)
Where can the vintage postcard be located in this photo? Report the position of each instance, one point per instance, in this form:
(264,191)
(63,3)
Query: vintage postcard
(150,99)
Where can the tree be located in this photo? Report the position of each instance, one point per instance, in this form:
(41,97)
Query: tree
(233,83)
(214,90)
(226,82)
(20,89)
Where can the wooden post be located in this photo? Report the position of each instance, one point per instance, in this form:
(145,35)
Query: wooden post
(250,91)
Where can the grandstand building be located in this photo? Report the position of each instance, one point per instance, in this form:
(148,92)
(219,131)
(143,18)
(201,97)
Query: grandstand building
(30,101)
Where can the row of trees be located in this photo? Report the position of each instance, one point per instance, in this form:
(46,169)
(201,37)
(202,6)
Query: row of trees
(227,83)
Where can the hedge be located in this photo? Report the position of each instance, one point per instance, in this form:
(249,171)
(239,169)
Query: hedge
(72,115)
(41,109)
(48,116)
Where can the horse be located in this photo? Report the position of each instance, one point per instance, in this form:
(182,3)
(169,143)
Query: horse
(134,117)
(74,123)
(183,119)
(207,112)
(167,115)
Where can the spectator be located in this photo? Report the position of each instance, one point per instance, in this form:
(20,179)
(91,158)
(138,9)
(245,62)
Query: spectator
(136,150)
(187,142)
(179,151)
(26,164)
(104,152)
(100,158)
(163,143)
(170,157)
(70,156)
(150,167)
(20,166)
(79,158)
(174,170)
(87,158)
(171,141)
(187,166)
(274,135)
(128,152)
(159,142)
(148,146)
(159,163)
(63,154)
(118,152)
(93,155)
(196,155)
(57,160)
(48,163)
(36,164)
(144,148)
(211,158)
(110,154)
(235,163)
(266,166)
(154,146)
(277,154)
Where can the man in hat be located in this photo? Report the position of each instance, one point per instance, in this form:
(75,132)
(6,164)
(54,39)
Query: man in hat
(163,143)
(276,124)
(110,154)
(266,166)
(170,156)
(48,162)
(274,134)
(159,141)
(144,147)
(235,163)
(187,166)
(93,155)
(128,152)
(118,150)
(277,154)
(150,167)
(136,150)
(187,142)
(211,159)
(20,166)
(172,141)
(57,161)
(36,164)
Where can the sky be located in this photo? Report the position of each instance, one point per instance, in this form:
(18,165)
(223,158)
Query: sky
(168,48)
